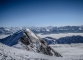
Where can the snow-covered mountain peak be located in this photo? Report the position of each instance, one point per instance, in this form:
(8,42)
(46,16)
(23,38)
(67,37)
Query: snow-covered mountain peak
(31,33)
(30,42)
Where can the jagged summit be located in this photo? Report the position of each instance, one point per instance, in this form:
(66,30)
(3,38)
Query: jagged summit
(28,40)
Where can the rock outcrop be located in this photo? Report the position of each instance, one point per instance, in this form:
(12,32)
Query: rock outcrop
(36,44)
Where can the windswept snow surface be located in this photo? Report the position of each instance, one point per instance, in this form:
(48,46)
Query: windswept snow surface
(69,52)
(18,54)
(59,35)
(3,36)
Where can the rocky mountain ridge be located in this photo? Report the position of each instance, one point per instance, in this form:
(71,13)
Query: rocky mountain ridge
(30,42)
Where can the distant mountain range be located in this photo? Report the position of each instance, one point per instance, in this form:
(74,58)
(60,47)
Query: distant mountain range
(56,30)
(64,40)
(44,30)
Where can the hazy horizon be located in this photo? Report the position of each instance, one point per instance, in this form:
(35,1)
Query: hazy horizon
(41,26)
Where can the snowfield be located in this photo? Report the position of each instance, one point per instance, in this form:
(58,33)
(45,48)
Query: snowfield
(3,36)
(18,54)
(69,52)
(59,35)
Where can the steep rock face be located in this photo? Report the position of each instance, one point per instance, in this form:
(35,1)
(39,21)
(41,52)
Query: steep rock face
(36,44)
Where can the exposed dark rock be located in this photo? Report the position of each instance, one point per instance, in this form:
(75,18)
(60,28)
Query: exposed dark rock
(41,45)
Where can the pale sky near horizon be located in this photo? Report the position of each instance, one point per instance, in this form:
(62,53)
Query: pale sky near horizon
(29,13)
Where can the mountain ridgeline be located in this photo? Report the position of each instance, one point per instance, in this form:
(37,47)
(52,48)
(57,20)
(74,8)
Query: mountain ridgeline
(29,41)
(44,30)
(64,40)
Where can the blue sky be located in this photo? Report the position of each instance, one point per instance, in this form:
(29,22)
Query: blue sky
(29,13)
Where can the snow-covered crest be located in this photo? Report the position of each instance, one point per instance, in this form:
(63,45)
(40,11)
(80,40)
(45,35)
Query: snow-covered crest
(31,33)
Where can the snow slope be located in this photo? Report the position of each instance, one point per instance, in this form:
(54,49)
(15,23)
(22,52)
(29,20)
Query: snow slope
(12,39)
(19,54)
(69,52)
(31,33)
